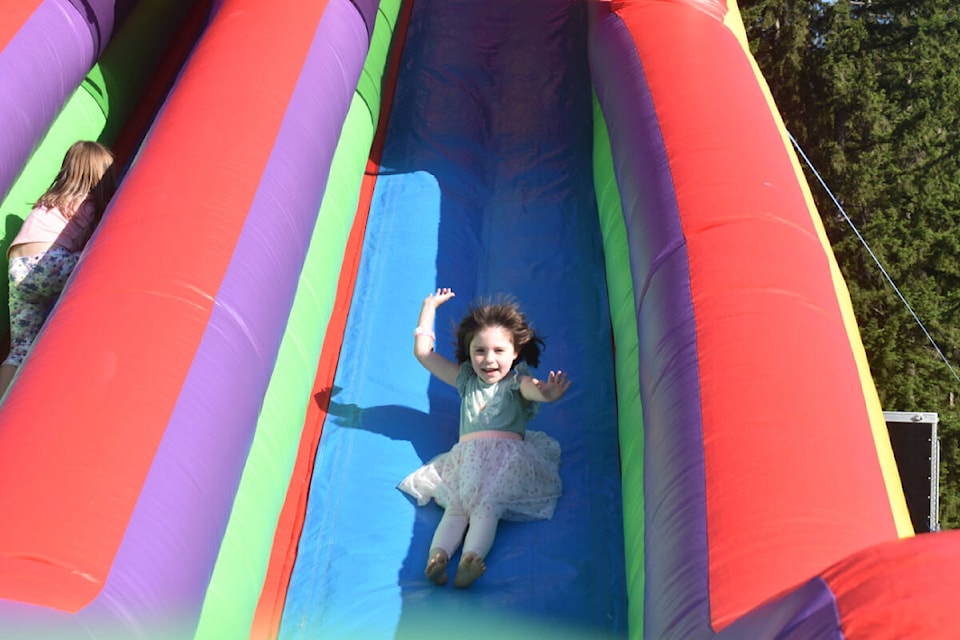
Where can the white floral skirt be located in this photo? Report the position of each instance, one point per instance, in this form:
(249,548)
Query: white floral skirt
(511,479)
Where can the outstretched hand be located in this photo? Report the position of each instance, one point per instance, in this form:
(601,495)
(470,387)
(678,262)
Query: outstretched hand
(425,339)
(556,385)
(436,299)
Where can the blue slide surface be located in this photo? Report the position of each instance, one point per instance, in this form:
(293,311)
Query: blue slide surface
(486,186)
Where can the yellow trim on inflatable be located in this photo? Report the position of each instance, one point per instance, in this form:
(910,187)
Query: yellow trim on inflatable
(734,22)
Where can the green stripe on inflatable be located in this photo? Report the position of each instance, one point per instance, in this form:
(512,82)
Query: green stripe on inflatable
(97,110)
(241,566)
(624,318)
(370,85)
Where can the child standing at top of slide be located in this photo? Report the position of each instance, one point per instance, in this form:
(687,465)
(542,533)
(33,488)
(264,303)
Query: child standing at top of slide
(497,469)
(45,251)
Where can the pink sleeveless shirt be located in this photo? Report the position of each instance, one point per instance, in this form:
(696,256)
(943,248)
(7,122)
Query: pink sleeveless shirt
(50,225)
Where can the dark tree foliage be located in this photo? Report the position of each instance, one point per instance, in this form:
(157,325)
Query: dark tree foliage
(871,92)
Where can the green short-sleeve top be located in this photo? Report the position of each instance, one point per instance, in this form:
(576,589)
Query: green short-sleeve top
(493,407)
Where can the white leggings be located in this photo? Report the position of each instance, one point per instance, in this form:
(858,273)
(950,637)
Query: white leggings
(480,532)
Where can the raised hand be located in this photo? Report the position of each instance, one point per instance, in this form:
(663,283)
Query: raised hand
(439,297)
(556,385)
(425,339)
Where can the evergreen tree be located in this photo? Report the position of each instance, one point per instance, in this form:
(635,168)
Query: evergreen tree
(871,92)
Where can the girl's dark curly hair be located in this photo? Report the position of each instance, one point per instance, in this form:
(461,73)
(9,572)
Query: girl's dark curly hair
(506,313)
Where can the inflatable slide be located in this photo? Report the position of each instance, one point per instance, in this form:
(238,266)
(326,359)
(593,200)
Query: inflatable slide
(206,438)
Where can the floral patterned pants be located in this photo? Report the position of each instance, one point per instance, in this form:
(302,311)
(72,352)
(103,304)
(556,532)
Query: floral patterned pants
(35,282)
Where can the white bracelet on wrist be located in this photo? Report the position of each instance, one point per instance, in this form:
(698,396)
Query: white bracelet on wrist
(420,331)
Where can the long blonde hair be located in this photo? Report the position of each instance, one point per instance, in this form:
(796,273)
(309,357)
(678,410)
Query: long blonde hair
(87,172)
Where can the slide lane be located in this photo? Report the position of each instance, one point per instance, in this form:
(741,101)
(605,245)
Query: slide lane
(248,585)
(766,455)
(206,237)
(486,186)
(114,105)
(740,317)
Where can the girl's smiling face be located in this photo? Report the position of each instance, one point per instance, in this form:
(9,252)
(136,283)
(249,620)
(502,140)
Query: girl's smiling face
(492,354)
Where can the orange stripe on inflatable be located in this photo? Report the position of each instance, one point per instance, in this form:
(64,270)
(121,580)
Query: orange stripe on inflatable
(269,613)
(884,451)
(888,464)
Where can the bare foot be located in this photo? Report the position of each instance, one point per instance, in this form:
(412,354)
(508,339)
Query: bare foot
(470,568)
(437,567)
